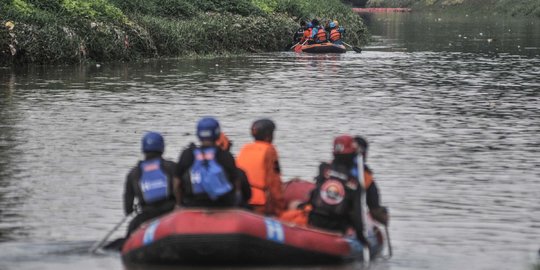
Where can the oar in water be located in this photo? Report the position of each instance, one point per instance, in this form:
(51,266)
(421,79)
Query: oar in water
(299,49)
(356,49)
(388,240)
(99,244)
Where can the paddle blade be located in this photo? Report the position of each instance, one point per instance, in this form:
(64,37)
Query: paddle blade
(357,49)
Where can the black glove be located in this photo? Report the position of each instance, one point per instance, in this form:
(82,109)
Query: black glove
(381,215)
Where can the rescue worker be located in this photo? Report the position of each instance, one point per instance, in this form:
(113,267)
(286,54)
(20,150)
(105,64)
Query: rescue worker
(318,34)
(336,33)
(307,34)
(259,160)
(299,34)
(151,182)
(336,200)
(206,175)
(378,212)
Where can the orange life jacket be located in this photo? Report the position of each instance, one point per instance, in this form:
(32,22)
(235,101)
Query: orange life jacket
(307,35)
(335,35)
(296,216)
(321,35)
(251,159)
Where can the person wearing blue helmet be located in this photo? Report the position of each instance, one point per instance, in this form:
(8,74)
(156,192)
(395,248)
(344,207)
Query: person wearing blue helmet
(206,175)
(151,182)
(336,32)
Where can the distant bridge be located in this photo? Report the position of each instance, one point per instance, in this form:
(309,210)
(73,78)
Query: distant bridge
(380,10)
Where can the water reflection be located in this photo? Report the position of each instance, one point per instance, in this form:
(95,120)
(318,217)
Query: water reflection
(11,191)
(454,144)
(490,35)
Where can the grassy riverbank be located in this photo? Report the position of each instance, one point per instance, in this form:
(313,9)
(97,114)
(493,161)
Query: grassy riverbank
(68,31)
(494,7)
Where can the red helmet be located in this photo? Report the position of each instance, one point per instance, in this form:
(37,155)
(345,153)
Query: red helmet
(345,144)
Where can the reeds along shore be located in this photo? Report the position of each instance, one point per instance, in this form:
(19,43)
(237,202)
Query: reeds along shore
(71,31)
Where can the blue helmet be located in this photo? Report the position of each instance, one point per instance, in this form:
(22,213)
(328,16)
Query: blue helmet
(208,129)
(309,25)
(332,24)
(153,142)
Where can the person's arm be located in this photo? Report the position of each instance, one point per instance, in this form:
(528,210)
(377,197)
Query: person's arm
(129,195)
(372,197)
(177,190)
(314,32)
(229,165)
(184,163)
(274,184)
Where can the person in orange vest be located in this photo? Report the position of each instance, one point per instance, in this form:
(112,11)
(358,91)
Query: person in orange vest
(260,162)
(378,212)
(336,33)
(307,34)
(318,34)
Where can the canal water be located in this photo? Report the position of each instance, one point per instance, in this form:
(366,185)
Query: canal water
(450,105)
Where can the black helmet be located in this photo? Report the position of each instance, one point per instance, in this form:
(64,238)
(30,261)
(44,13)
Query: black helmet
(362,145)
(315,22)
(262,129)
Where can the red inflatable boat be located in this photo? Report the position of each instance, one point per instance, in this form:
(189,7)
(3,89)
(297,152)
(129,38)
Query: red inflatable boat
(198,236)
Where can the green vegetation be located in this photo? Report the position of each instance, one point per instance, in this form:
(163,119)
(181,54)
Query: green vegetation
(68,31)
(497,7)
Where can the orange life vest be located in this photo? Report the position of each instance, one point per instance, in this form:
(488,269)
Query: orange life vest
(335,35)
(321,35)
(251,159)
(307,35)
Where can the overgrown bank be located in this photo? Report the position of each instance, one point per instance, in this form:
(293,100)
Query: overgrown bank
(67,31)
(495,7)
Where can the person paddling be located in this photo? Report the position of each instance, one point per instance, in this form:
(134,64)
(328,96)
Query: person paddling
(336,33)
(150,182)
(206,175)
(378,212)
(336,200)
(299,34)
(260,161)
(318,34)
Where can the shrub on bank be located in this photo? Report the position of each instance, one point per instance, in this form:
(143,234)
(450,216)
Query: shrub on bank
(60,31)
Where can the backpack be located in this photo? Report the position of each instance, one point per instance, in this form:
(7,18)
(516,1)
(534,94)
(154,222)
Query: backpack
(207,176)
(153,181)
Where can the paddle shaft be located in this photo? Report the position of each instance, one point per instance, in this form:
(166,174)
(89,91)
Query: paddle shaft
(99,244)
(363,203)
(294,45)
(388,240)
(356,49)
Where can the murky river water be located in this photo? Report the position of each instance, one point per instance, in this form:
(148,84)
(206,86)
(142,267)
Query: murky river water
(454,126)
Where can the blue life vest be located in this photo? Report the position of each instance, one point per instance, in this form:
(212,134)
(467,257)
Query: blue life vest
(207,176)
(154,182)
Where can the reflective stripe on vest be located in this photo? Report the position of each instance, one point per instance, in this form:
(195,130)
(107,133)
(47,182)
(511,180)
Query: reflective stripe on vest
(251,159)
(335,35)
